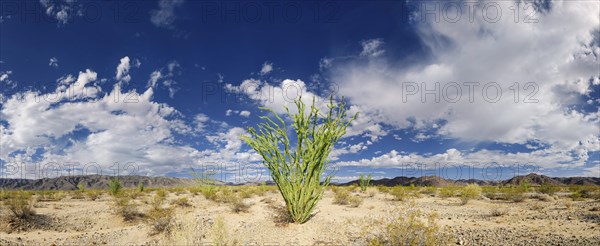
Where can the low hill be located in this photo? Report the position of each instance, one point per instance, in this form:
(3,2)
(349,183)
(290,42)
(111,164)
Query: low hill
(93,182)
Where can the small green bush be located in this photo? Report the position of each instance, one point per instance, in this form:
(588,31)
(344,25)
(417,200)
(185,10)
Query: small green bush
(469,192)
(548,189)
(401,193)
(140,187)
(114,186)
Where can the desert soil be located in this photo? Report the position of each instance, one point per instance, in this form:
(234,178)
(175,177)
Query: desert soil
(532,222)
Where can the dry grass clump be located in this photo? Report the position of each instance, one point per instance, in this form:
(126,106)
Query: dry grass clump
(536,206)
(447,192)
(20,205)
(127,208)
(428,190)
(355,201)
(160,219)
(515,195)
(409,226)
(238,205)
(469,192)
(182,202)
(93,195)
(50,195)
(341,195)
(372,192)
(498,211)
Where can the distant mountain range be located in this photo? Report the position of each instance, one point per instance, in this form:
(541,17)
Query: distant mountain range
(101,182)
(532,178)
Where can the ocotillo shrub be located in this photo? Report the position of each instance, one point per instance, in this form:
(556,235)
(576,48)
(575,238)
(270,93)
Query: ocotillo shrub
(364,182)
(297,170)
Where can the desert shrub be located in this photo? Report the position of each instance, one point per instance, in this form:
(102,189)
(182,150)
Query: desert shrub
(400,193)
(182,202)
(93,194)
(78,195)
(114,186)
(542,197)
(536,206)
(220,234)
(490,192)
(582,192)
(298,170)
(524,185)
(568,204)
(238,205)
(160,220)
(140,187)
(4,194)
(226,195)
(158,200)
(447,192)
(209,192)
(429,190)
(126,208)
(471,191)
(161,193)
(408,228)
(51,195)
(355,201)
(364,181)
(20,205)
(514,194)
(341,195)
(247,192)
(498,211)
(371,192)
(548,189)
(383,189)
(81,187)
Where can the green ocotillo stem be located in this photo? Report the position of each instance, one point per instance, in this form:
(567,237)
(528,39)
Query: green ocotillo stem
(297,171)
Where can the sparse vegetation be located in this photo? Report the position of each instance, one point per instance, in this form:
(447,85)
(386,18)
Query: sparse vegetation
(159,218)
(93,194)
(297,171)
(548,189)
(238,205)
(182,202)
(81,186)
(341,195)
(365,181)
(408,228)
(114,186)
(447,192)
(126,208)
(140,187)
(20,205)
(469,192)
(498,211)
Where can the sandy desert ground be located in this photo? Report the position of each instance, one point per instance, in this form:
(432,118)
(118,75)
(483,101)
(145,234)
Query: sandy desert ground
(538,220)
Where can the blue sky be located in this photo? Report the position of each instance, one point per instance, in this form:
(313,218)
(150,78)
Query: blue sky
(155,87)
